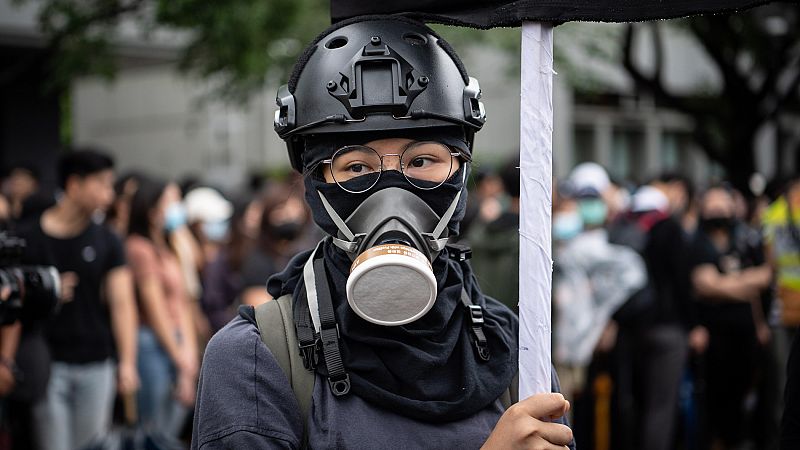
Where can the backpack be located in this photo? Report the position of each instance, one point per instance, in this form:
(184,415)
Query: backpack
(276,326)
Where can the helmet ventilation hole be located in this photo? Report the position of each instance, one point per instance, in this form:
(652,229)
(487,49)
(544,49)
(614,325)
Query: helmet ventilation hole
(337,42)
(415,39)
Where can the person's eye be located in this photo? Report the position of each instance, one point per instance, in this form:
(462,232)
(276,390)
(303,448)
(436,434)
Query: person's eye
(421,161)
(356,168)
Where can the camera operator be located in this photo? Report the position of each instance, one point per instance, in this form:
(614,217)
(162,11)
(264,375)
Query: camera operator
(92,338)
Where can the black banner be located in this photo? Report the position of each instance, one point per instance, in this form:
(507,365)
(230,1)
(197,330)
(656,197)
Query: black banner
(490,14)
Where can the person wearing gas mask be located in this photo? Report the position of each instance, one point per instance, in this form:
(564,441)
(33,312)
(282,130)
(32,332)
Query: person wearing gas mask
(379,336)
(728,279)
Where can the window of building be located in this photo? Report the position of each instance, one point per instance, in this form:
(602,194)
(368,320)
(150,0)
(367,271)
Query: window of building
(583,150)
(627,154)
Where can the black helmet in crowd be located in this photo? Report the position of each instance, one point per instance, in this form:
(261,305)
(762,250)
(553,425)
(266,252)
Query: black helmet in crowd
(376,73)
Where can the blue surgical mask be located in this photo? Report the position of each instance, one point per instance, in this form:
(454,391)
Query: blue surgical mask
(174,217)
(216,231)
(593,211)
(566,225)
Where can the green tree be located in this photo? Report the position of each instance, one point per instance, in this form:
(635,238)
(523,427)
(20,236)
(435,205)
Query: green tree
(237,44)
(757,55)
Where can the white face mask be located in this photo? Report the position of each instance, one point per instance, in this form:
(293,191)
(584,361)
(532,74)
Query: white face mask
(567,225)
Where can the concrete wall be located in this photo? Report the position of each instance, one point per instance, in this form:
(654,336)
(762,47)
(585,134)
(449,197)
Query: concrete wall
(154,119)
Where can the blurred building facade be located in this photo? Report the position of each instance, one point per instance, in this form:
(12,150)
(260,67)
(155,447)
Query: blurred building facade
(155,119)
(29,115)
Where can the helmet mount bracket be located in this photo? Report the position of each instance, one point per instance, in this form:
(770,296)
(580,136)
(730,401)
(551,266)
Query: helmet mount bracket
(361,84)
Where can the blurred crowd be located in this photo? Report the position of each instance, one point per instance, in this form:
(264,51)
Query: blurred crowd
(673,307)
(150,269)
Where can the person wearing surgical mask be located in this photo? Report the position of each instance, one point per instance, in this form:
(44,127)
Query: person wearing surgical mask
(592,279)
(401,346)
(168,360)
(208,215)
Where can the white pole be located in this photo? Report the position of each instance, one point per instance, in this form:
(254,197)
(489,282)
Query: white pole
(536,171)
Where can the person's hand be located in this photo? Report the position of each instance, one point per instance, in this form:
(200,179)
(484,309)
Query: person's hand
(187,364)
(763,333)
(7,380)
(527,425)
(186,389)
(760,276)
(186,384)
(127,378)
(68,282)
(698,339)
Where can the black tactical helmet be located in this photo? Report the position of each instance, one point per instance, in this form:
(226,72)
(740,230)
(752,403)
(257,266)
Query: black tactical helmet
(376,73)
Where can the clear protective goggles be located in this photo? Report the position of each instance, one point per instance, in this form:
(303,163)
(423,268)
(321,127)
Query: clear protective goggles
(424,164)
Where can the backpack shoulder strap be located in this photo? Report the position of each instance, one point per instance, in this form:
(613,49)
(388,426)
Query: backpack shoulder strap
(511,395)
(276,326)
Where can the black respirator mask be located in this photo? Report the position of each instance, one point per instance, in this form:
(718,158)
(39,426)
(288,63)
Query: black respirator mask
(392,233)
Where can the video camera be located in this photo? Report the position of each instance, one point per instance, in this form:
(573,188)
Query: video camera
(30,290)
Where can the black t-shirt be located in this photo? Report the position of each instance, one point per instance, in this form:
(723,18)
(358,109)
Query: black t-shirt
(665,255)
(722,314)
(81,330)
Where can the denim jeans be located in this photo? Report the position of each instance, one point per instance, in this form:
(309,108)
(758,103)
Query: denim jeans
(78,406)
(159,411)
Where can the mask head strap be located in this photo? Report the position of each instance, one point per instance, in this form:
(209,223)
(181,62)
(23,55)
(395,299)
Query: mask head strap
(435,239)
(349,246)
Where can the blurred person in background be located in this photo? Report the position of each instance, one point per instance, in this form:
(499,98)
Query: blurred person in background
(222,277)
(168,352)
(485,200)
(284,220)
(490,190)
(678,190)
(5,213)
(771,357)
(618,198)
(118,214)
(655,321)
(593,279)
(728,279)
(495,245)
(590,175)
(92,338)
(208,213)
(567,225)
(780,221)
(781,224)
(21,181)
(192,260)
